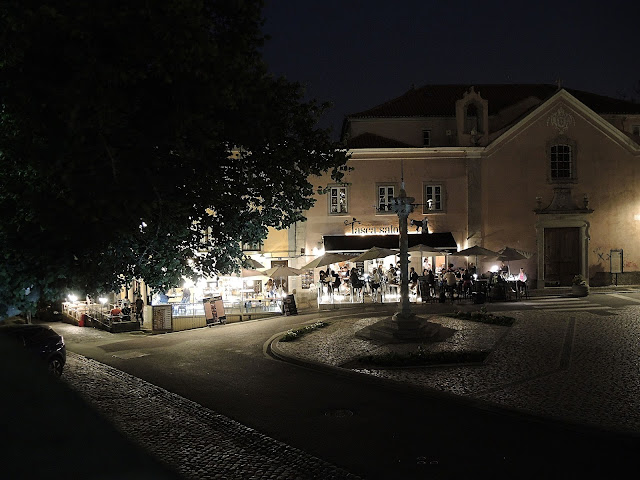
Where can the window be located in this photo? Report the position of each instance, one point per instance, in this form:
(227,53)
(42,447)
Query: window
(426,138)
(433,198)
(252,247)
(338,200)
(385,198)
(561,162)
(562,157)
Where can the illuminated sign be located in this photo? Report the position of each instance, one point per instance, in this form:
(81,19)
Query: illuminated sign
(375,230)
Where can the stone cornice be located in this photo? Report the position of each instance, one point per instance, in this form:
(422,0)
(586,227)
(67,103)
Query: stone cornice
(417,153)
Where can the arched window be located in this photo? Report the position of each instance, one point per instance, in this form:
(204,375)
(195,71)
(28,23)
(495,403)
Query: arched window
(472,119)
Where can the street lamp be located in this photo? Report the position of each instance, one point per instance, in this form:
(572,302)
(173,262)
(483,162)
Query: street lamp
(354,221)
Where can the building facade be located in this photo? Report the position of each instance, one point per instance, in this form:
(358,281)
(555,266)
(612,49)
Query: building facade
(543,169)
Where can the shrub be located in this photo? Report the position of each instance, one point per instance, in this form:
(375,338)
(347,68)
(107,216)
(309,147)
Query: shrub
(579,280)
(295,334)
(422,357)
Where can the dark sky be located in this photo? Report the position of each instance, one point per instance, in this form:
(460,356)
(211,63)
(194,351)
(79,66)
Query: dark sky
(360,53)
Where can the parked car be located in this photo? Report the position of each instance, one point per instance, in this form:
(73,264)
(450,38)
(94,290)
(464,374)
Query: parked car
(42,341)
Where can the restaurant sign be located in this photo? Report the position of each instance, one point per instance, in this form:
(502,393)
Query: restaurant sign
(374,230)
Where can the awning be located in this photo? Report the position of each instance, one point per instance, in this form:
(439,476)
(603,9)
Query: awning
(443,241)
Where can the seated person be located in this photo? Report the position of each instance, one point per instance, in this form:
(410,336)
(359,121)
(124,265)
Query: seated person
(126,312)
(504,270)
(522,281)
(354,280)
(450,281)
(336,281)
(391,274)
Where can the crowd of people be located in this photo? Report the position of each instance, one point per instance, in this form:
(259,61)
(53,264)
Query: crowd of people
(450,282)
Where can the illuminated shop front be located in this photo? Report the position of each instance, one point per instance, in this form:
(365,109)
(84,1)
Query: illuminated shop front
(436,247)
(240,295)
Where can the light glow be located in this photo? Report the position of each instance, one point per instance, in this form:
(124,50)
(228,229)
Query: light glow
(73,297)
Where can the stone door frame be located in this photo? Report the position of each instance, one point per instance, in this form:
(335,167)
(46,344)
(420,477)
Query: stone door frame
(563,221)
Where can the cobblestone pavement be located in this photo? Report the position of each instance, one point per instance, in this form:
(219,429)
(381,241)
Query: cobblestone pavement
(576,366)
(195,441)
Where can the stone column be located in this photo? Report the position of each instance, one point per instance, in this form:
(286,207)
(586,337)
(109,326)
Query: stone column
(402,206)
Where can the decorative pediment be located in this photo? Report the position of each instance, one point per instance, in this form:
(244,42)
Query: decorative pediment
(563,202)
(560,120)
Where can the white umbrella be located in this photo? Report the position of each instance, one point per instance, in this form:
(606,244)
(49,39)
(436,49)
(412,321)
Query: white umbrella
(373,253)
(249,272)
(327,259)
(282,271)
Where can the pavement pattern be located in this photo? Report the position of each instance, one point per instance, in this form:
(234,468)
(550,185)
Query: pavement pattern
(579,367)
(191,439)
(563,360)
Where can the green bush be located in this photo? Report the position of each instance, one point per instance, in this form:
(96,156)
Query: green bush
(295,334)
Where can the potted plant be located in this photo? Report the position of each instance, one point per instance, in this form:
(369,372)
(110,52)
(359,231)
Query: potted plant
(579,287)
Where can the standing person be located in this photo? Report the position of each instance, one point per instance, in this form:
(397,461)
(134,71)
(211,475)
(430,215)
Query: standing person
(431,281)
(270,288)
(139,308)
(413,278)
(375,284)
(186,295)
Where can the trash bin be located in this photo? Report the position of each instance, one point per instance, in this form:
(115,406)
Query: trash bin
(83,320)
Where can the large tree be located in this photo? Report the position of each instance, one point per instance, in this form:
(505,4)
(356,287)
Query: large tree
(130,127)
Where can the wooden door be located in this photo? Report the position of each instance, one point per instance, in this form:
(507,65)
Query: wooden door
(561,254)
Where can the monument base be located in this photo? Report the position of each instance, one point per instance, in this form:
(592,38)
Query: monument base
(405,329)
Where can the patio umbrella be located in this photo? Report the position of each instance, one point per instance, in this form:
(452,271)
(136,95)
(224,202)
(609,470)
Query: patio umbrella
(282,271)
(507,254)
(422,248)
(254,263)
(327,259)
(249,272)
(373,253)
(475,251)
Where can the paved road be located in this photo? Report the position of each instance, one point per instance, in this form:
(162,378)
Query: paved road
(368,426)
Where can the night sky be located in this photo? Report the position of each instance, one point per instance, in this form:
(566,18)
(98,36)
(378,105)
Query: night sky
(360,53)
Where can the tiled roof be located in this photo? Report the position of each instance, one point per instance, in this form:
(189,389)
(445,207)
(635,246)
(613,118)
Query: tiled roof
(440,100)
(371,140)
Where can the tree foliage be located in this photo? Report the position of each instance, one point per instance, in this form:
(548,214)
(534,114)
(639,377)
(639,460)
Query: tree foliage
(127,128)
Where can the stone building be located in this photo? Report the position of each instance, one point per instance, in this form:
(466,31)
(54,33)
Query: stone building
(544,169)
